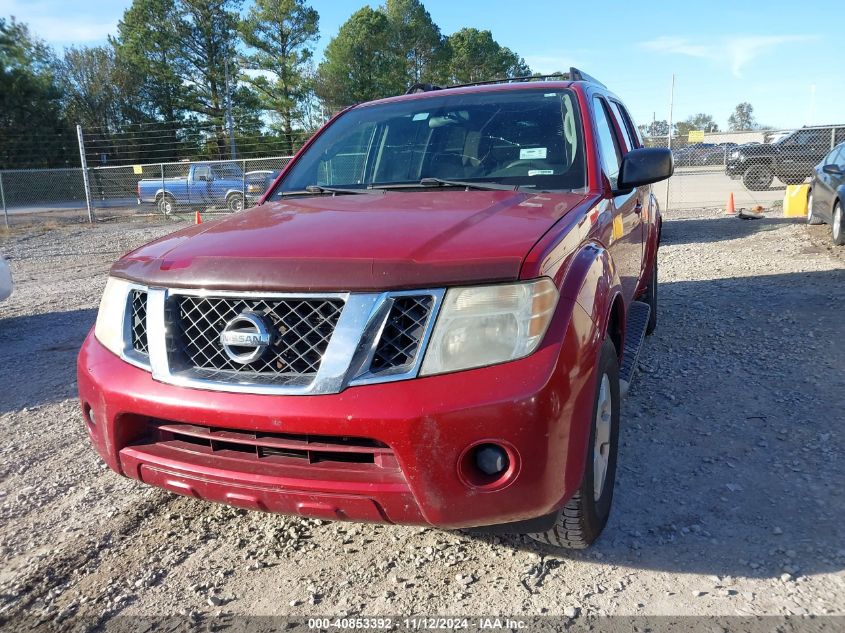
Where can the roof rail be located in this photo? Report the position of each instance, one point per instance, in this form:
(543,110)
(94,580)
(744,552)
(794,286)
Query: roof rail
(573,75)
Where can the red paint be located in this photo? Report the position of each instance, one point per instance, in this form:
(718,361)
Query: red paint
(539,407)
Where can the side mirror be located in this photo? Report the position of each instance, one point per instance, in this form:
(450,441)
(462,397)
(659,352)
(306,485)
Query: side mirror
(833,170)
(644,166)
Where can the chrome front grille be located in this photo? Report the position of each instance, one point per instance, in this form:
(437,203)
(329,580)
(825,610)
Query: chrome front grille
(138,321)
(300,343)
(403,332)
(301,331)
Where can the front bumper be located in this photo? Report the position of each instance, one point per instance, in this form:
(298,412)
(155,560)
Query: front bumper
(538,407)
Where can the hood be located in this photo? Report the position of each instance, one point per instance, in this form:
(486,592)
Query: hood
(397,240)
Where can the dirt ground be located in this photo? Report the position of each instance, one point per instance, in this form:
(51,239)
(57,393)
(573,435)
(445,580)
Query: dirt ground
(729,497)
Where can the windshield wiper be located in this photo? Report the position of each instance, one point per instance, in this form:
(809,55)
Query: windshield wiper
(319,190)
(440,182)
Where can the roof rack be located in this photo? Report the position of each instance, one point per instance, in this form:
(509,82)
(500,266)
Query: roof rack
(573,75)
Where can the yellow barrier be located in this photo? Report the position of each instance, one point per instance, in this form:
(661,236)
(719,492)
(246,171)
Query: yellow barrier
(795,201)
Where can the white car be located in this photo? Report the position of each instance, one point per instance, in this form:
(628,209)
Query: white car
(5,279)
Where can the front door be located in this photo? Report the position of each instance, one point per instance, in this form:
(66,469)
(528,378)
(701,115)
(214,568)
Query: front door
(826,184)
(625,242)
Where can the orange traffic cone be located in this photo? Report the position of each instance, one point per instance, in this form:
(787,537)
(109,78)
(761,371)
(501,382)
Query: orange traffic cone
(731,210)
(197,218)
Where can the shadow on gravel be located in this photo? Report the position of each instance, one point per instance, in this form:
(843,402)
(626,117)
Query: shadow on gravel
(702,231)
(39,357)
(732,450)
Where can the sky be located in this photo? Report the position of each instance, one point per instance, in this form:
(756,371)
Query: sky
(787,62)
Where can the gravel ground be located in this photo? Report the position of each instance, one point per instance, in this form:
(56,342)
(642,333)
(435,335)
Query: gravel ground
(729,497)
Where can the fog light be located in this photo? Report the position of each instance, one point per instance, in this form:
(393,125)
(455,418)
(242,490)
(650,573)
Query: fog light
(491,459)
(88,415)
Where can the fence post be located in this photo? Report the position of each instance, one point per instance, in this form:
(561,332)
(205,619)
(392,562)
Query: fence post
(163,200)
(669,139)
(243,185)
(84,162)
(3,199)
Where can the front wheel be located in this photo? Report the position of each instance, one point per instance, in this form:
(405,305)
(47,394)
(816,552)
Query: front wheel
(584,516)
(166,204)
(836,227)
(235,202)
(812,218)
(758,177)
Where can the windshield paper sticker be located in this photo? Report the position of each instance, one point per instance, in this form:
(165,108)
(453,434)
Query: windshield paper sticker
(541,172)
(532,152)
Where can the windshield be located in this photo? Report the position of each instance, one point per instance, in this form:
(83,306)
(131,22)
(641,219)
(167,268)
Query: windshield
(526,138)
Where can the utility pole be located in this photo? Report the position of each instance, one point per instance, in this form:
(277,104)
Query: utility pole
(230,122)
(84,162)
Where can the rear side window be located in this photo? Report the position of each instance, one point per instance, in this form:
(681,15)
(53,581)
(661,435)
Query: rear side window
(608,148)
(624,125)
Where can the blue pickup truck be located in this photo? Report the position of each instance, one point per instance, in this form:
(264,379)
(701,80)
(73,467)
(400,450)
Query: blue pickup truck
(206,185)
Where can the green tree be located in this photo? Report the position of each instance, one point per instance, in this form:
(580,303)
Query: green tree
(417,40)
(655,128)
(96,95)
(33,132)
(742,118)
(697,122)
(147,46)
(207,32)
(280,34)
(476,56)
(360,64)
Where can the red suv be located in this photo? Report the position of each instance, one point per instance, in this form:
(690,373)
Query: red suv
(426,320)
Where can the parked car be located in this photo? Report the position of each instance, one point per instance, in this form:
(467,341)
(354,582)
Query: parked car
(257,183)
(692,155)
(791,158)
(703,154)
(206,184)
(827,192)
(6,285)
(430,320)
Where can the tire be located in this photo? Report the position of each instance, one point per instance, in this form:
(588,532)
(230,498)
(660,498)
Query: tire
(758,177)
(235,202)
(584,516)
(650,297)
(811,217)
(793,180)
(837,227)
(166,204)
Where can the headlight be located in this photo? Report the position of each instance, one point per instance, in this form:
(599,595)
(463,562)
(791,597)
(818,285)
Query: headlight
(254,189)
(489,324)
(109,329)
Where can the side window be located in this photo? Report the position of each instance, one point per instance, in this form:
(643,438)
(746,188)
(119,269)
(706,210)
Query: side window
(836,157)
(608,148)
(202,173)
(346,165)
(809,137)
(624,124)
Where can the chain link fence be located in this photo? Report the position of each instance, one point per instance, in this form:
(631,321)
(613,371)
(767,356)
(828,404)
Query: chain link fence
(754,166)
(169,189)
